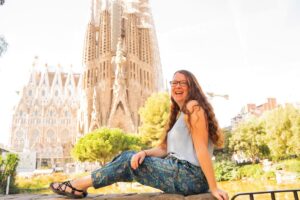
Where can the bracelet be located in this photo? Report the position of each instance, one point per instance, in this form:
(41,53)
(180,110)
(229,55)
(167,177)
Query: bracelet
(145,152)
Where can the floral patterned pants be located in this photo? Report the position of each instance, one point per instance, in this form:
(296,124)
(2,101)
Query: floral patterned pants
(169,174)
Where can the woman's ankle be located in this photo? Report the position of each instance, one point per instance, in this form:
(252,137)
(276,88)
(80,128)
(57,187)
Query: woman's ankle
(82,183)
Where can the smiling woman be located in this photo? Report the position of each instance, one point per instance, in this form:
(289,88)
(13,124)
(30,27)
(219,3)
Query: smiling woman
(179,88)
(180,164)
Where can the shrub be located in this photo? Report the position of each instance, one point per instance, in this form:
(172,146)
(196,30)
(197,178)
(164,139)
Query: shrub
(8,166)
(292,165)
(39,181)
(250,171)
(269,175)
(225,170)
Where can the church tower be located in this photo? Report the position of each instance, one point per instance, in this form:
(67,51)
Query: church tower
(121,65)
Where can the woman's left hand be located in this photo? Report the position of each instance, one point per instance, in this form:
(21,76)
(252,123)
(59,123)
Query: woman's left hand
(220,194)
(137,159)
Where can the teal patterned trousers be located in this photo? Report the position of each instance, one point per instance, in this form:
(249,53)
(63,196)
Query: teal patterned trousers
(169,174)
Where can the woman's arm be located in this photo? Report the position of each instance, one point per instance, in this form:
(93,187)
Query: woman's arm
(139,157)
(156,152)
(200,139)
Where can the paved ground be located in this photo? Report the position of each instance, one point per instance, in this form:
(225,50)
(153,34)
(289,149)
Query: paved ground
(145,196)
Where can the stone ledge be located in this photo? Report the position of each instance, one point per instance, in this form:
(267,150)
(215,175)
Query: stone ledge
(133,196)
(155,196)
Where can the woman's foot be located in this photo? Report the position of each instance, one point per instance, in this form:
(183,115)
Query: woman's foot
(67,189)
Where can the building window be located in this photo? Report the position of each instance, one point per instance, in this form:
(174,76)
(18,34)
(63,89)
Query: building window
(134,70)
(96,76)
(67,114)
(50,136)
(19,134)
(104,69)
(88,78)
(35,137)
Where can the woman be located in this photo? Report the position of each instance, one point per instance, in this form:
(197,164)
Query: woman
(181,164)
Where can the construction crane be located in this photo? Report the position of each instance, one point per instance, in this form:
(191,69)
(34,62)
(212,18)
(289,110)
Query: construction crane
(212,95)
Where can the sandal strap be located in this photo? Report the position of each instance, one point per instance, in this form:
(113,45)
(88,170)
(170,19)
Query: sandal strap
(62,187)
(68,184)
(59,187)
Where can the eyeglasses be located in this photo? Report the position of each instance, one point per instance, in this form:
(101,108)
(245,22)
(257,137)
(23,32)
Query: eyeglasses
(181,83)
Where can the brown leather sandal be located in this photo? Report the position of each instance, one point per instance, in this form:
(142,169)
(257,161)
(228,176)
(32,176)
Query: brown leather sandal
(61,190)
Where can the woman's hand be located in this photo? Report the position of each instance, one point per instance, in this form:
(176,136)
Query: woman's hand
(137,159)
(220,194)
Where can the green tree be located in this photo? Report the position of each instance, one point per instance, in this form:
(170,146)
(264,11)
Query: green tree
(8,166)
(103,144)
(226,152)
(3,45)
(283,132)
(294,142)
(249,137)
(154,115)
(225,170)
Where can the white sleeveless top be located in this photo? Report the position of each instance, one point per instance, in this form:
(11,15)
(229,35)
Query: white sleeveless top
(180,143)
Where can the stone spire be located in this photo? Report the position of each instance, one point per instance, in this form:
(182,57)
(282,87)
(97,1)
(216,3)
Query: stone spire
(104,5)
(120,110)
(92,12)
(121,63)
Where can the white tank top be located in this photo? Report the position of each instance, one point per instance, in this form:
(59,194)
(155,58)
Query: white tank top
(180,143)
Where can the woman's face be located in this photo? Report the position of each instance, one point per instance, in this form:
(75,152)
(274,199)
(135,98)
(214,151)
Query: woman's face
(179,88)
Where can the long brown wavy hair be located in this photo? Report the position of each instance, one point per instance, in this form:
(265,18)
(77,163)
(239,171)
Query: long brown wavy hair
(194,93)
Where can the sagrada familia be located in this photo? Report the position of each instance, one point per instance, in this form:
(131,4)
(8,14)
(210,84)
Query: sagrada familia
(121,69)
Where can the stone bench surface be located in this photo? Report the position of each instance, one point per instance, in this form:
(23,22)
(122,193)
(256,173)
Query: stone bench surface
(144,196)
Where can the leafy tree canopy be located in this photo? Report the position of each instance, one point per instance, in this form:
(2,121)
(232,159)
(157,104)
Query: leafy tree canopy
(103,144)
(275,135)
(249,138)
(154,116)
(3,45)
(283,131)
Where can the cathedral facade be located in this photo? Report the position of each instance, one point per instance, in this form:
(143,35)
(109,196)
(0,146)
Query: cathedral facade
(44,120)
(121,65)
(121,70)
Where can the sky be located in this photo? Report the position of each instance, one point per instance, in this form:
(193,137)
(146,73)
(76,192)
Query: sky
(247,49)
